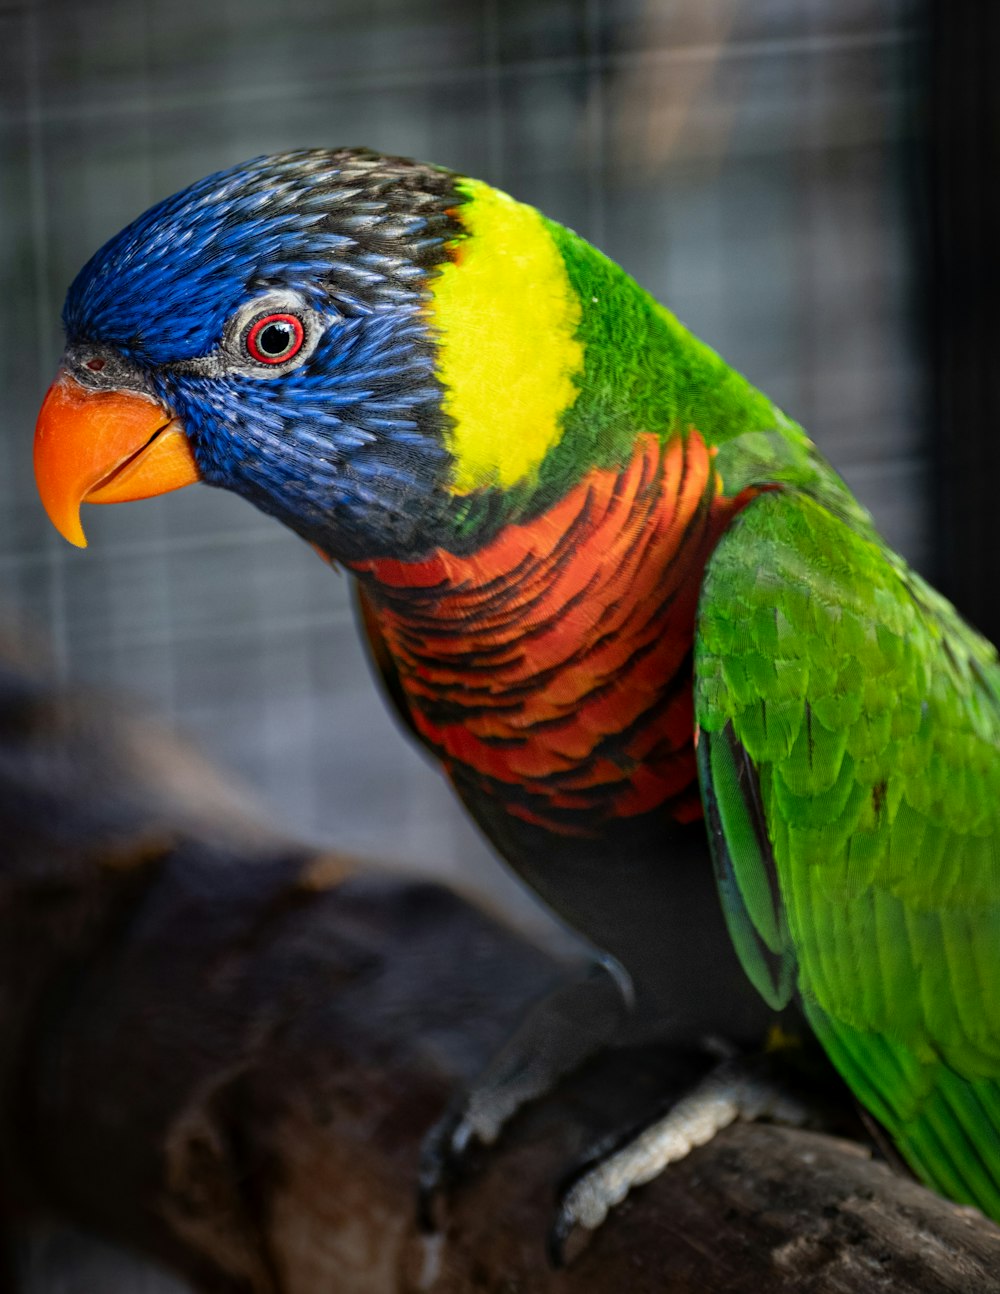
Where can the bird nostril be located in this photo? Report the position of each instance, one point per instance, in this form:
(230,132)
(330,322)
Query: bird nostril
(95,365)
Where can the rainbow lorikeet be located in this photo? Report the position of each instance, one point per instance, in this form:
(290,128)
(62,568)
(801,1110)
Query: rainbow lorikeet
(615,591)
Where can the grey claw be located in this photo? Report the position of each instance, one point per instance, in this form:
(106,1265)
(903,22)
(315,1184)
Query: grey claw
(445,1151)
(557,1242)
(439,1163)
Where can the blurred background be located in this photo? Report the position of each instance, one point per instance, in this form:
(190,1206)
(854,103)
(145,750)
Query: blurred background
(761,167)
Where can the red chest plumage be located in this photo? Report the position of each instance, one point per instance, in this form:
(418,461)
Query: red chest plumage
(552,669)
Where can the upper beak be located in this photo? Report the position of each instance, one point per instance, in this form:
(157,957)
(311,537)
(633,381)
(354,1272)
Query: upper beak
(95,446)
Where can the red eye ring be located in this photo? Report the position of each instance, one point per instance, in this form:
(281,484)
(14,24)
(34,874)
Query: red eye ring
(263,351)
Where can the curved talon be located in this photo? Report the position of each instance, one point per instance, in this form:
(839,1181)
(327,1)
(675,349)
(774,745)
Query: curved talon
(429,1192)
(568,1223)
(441,1156)
(557,1241)
(433,1175)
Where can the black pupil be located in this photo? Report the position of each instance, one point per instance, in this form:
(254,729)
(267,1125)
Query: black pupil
(275,339)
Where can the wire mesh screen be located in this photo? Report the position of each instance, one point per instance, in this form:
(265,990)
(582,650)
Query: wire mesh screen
(745,162)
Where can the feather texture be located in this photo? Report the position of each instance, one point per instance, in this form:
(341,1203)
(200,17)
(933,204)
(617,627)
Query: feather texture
(551,670)
(879,785)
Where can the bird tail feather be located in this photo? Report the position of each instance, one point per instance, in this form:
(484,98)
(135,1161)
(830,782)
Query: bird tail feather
(945,1126)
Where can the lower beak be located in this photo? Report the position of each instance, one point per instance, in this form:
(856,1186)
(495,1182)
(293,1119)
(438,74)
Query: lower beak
(104,447)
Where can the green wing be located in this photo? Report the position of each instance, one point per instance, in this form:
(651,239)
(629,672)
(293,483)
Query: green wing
(849,750)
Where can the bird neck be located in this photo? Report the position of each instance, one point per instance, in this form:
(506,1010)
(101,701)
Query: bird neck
(551,669)
(610,363)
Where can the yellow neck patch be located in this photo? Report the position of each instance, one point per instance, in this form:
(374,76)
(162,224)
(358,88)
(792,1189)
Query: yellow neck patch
(506,320)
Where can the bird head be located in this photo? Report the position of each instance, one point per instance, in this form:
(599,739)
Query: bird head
(371,349)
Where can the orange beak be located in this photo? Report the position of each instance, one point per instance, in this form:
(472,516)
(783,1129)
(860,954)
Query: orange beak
(104,447)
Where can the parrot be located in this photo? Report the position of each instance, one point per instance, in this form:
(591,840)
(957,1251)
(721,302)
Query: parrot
(646,630)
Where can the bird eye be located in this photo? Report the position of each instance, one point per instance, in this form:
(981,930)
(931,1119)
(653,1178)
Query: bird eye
(275,338)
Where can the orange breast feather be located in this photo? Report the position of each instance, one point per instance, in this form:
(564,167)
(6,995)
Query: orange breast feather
(552,668)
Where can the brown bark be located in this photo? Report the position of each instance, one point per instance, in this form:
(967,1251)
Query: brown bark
(219,1051)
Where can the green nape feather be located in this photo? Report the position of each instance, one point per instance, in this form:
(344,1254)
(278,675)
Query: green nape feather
(845,704)
(539,331)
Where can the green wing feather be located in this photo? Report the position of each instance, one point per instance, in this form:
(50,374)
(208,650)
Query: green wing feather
(745,868)
(843,704)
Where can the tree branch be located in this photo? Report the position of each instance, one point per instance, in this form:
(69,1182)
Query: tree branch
(222,1049)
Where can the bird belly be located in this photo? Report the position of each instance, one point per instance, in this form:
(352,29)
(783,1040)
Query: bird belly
(642,890)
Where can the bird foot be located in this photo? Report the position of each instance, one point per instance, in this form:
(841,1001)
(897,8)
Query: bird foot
(734,1089)
(577,1020)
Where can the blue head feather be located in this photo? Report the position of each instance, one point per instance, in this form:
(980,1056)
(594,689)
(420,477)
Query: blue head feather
(347,447)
